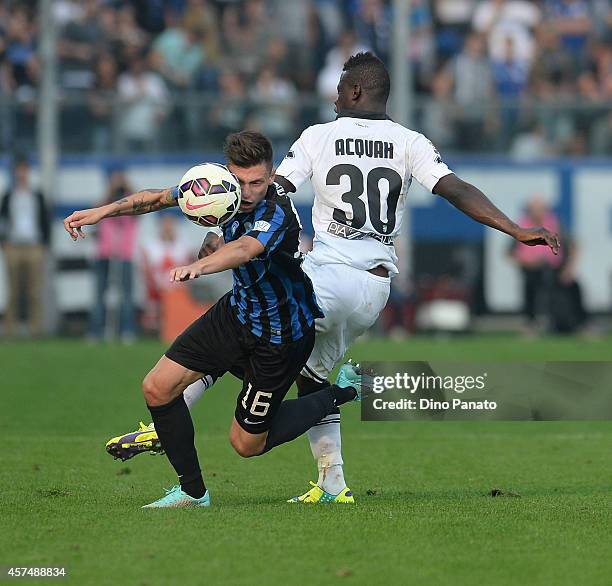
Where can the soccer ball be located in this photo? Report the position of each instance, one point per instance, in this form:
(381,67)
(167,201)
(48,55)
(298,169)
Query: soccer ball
(209,195)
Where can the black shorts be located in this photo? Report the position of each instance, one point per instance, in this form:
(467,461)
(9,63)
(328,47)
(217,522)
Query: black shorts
(218,342)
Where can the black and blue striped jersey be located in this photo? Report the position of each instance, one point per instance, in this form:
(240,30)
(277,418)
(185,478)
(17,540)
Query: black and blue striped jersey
(271,295)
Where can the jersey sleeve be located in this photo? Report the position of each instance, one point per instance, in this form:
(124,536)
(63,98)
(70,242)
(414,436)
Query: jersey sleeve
(269,226)
(297,164)
(425,163)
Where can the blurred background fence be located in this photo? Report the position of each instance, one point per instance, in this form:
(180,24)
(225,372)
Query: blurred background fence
(523,129)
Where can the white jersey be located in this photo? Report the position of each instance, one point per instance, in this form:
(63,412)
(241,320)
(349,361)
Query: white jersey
(361,166)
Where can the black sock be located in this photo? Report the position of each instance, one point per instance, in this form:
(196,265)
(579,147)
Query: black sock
(174,428)
(297,416)
(307,386)
(342,395)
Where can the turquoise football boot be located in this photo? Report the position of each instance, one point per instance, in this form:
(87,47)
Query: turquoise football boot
(176,498)
(351,375)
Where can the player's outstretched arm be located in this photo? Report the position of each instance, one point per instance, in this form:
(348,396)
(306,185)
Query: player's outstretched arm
(141,202)
(472,202)
(229,256)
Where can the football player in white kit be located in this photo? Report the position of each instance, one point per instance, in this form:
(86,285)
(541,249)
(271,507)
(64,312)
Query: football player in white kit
(361,166)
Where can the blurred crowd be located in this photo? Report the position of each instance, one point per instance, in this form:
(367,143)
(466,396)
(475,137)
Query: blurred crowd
(533,77)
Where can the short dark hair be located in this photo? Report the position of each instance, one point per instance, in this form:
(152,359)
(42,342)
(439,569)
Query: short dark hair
(247,149)
(370,72)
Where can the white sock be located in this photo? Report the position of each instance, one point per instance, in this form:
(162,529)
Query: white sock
(326,446)
(195,390)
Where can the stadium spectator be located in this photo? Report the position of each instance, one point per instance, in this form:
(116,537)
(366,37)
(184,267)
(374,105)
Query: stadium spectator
(295,16)
(327,80)
(307,59)
(200,16)
(573,21)
(159,255)
(373,26)
(20,72)
(66,11)
(128,40)
(510,76)
(279,59)
(247,29)
(453,23)
(601,139)
(178,52)
(473,91)
(102,103)
(229,111)
(510,73)
(500,19)
(600,61)
(143,97)
(20,53)
(440,112)
(421,45)
(132,37)
(531,144)
(539,267)
(78,45)
(113,267)
(274,108)
(333,20)
(602,19)
(568,313)
(553,67)
(591,98)
(24,235)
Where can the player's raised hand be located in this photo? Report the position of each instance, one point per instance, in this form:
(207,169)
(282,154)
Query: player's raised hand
(185,273)
(74,223)
(539,236)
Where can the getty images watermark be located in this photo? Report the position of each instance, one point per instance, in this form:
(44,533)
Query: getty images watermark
(415,385)
(477,391)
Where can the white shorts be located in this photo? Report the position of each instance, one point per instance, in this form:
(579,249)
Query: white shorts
(351,300)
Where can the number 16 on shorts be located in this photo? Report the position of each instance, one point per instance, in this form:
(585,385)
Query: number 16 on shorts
(255,404)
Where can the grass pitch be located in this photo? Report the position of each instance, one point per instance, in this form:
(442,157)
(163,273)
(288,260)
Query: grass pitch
(423,513)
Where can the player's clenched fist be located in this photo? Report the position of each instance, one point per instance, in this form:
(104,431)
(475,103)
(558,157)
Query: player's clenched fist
(192,271)
(74,222)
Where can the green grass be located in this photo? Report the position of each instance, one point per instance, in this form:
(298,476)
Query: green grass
(423,514)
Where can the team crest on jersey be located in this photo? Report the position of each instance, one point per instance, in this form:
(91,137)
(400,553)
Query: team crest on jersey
(234,227)
(262,226)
